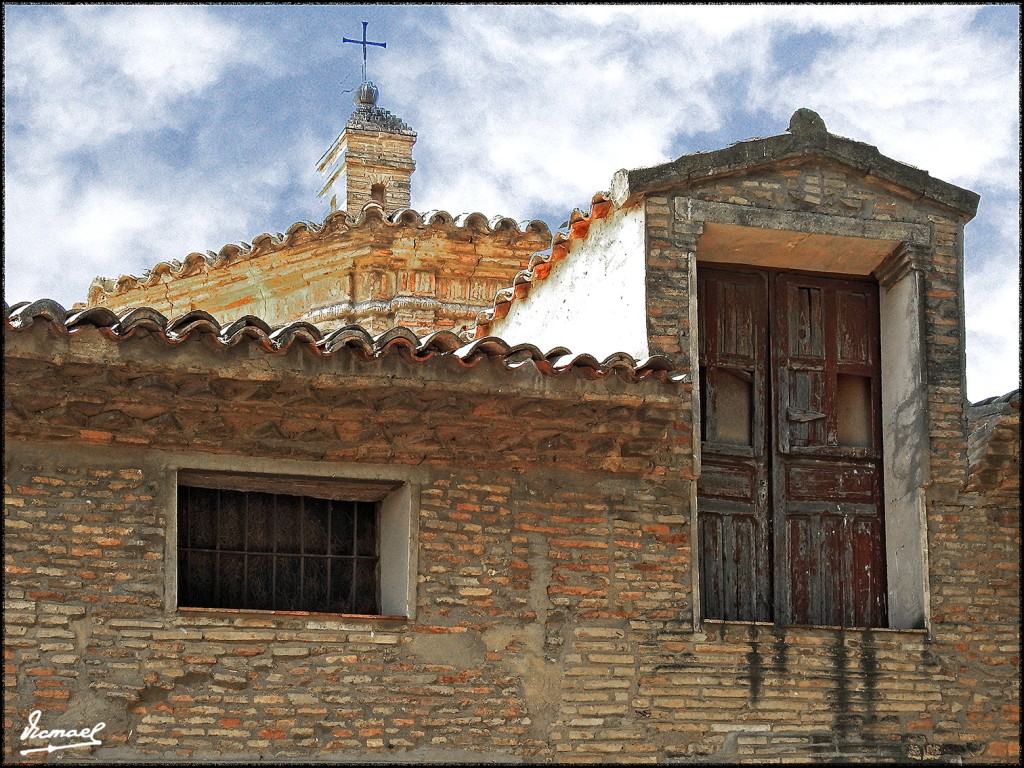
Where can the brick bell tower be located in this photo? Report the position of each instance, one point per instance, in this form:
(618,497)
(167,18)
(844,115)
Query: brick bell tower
(371,159)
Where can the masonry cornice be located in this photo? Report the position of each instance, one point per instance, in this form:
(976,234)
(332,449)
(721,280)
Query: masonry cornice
(693,209)
(800,142)
(909,256)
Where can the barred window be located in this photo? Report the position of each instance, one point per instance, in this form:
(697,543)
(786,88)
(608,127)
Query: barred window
(279,552)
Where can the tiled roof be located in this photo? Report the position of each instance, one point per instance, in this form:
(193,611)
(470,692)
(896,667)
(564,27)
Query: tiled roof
(253,330)
(540,264)
(993,444)
(303,231)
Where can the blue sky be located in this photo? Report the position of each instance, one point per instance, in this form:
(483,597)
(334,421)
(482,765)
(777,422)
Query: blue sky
(140,134)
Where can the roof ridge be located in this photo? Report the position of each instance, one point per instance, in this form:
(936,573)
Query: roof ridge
(336,221)
(251,329)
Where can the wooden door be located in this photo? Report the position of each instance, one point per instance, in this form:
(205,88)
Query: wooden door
(733,490)
(790,495)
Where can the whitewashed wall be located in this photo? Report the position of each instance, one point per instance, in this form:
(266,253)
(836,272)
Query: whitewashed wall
(594,300)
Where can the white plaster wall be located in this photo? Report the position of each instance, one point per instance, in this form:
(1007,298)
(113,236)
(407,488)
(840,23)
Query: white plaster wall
(905,451)
(399,512)
(594,300)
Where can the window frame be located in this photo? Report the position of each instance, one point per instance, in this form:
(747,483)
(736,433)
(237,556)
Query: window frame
(288,561)
(397,514)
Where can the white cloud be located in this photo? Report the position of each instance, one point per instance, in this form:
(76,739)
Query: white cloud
(993,333)
(83,80)
(558,98)
(172,50)
(992,298)
(77,87)
(556,103)
(945,103)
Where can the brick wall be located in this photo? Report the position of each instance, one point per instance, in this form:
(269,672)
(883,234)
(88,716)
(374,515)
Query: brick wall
(377,158)
(946,694)
(554,606)
(525,543)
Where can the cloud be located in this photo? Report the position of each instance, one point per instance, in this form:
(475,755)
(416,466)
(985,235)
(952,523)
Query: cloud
(992,298)
(89,181)
(558,98)
(917,91)
(79,80)
(556,101)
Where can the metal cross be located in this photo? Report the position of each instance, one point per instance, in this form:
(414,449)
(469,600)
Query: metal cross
(364,42)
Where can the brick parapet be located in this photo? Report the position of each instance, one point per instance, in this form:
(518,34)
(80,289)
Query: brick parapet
(144,392)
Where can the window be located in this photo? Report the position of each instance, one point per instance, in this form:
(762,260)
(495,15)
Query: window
(790,507)
(377,193)
(252,542)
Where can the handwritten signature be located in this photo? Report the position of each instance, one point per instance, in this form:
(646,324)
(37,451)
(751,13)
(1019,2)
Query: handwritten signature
(32,731)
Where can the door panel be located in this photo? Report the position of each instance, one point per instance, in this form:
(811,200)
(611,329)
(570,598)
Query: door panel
(790,500)
(735,530)
(827,491)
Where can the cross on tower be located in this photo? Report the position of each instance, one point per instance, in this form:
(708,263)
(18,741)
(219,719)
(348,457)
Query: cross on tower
(364,42)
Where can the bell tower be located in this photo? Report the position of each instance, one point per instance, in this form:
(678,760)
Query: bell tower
(372,158)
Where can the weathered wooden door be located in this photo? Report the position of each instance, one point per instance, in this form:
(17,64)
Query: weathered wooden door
(790,495)
(735,513)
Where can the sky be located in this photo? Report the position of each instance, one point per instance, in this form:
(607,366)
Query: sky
(140,134)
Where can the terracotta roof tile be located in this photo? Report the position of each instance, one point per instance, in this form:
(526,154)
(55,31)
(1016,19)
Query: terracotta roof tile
(541,264)
(305,231)
(250,329)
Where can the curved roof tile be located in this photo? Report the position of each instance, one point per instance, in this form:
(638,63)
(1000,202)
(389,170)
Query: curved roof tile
(99,317)
(298,331)
(302,231)
(354,337)
(540,264)
(1008,399)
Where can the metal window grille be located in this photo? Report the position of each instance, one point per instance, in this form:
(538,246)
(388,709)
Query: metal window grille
(273,551)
